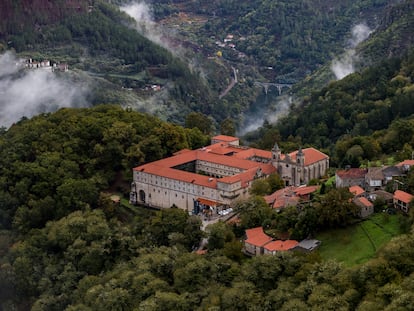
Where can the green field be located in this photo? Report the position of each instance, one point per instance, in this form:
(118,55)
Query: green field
(358,243)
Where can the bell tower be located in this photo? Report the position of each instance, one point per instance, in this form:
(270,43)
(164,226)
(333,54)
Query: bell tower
(276,153)
(300,158)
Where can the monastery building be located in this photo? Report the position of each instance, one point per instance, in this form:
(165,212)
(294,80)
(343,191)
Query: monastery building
(218,174)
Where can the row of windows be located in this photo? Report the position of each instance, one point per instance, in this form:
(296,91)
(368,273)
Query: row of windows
(165,193)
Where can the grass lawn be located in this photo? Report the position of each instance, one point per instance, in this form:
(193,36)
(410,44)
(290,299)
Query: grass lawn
(358,243)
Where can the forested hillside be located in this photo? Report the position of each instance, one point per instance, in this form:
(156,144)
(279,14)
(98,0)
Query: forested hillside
(56,163)
(102,43)
(64,245)
(361,118)
(269,41)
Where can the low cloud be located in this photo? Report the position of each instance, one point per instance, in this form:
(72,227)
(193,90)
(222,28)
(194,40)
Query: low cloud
(145,25)
(271,113)
(28,92)
(343,66)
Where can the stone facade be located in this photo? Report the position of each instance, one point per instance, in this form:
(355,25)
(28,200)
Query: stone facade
(300,167)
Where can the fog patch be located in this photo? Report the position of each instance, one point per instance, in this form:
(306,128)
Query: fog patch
(141,12)
(345,65)
(28,92)
(270,113)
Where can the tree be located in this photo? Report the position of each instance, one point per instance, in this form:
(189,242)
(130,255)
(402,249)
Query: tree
(218,235)
(260,187)
(275,182)
(200,121)
(253,211)
(227,127)
(336,208)
(174,220)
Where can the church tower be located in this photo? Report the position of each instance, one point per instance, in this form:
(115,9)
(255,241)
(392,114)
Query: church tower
(276,153)
(300,158)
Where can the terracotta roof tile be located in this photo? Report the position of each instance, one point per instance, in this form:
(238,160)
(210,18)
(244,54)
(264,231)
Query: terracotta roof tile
(257,237)
(193,178)
(356,190)
(311,155)
(364,202)
(280,245)
(305,190)
(224,138)
(403,196)
(352,173)
(252,152)
(406,162)
(283,198)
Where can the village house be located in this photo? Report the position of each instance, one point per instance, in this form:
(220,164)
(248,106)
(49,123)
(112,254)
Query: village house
(402,200)
(381,195)
(350,177)
(378,177)
(219,173)
(255,240)
(360,199)
(290,196)
(357,191)
(273,247)
(366,207)
(405,165)
(259,243)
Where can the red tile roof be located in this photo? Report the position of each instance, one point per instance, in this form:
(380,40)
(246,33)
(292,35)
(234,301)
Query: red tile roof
(356,190)
(300,191)
(406,162)
(403,196)
(352,173)
(311,155)
(280,245)
(364,202)
(224,138)
(282,198)
(257,237)
(221,153)
(167,172)
(252,152)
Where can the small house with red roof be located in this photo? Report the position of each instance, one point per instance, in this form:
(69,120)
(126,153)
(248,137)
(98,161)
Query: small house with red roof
(357,191)
(273,247)
(366,207)
(255,240)
(402,200)
(259,243)
(405,165)
(290,196)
